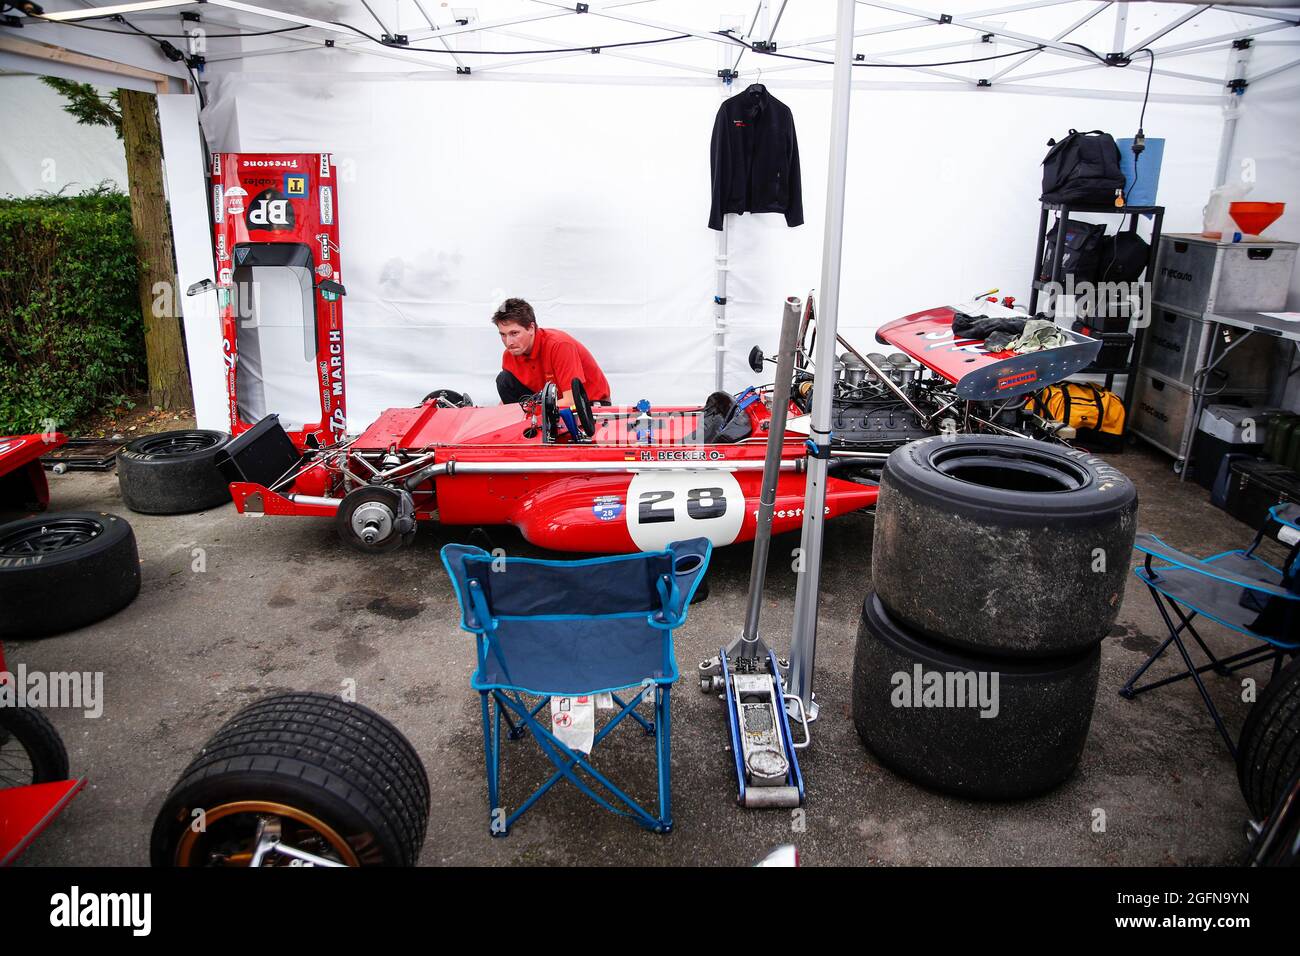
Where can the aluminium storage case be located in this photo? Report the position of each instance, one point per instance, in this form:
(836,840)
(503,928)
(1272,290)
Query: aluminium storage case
(1198,275)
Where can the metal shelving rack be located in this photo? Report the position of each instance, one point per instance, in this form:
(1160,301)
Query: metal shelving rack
(1138,322)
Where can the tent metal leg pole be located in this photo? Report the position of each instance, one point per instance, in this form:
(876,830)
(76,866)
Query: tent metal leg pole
(720,311)
(1238,65)
(804,643)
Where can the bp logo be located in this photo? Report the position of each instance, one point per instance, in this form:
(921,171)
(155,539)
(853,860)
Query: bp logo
(270,209)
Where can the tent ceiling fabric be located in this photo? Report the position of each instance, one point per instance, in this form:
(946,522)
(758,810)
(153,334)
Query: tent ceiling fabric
(1023,45)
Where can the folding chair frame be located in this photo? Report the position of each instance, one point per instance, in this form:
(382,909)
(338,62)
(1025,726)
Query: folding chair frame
(499,704)
(1271,649)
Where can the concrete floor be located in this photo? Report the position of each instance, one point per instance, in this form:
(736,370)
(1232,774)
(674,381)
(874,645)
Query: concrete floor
(282,605)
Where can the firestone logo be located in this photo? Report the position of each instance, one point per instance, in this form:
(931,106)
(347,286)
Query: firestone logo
(290,163)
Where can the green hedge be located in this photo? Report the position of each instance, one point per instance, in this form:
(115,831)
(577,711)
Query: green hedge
(71,336)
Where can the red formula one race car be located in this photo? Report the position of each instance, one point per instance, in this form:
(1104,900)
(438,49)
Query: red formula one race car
(591,480)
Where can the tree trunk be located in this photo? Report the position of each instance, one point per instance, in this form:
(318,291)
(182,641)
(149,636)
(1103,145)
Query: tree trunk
(169,377)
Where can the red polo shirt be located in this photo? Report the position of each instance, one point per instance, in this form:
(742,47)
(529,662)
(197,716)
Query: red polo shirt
(560,358)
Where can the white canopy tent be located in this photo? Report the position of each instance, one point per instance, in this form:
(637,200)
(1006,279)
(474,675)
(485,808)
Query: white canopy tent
(585,191)
(515,148)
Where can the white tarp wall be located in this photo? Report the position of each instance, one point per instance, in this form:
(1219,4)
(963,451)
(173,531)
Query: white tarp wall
(592,202)
(581,182)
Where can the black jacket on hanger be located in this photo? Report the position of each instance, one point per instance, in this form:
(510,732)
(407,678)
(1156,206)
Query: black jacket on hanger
(754,158)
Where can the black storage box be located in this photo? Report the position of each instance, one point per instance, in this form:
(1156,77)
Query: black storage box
(1115,347)
(1208,453)
(262,455)
(1256,485)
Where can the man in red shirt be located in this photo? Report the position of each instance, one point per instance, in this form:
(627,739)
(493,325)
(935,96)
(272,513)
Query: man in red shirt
(535,356)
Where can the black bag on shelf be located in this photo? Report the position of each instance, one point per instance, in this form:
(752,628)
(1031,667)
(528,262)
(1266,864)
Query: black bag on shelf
(1122,257)
(1082,168)
(1082,256)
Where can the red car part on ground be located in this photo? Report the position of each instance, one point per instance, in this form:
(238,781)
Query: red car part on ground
(281,209)
(22,479)
(26,811)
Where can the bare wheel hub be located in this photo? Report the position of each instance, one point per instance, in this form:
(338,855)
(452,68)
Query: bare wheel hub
(372,522)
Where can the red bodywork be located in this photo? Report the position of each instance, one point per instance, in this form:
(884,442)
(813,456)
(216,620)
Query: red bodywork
(669,488)
(26,811)
(978,374)
(261,201)
(22,479)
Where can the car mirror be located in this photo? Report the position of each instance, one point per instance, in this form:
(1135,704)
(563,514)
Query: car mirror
(203,285)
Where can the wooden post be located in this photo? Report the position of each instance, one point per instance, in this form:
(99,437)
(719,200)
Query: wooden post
(169,377)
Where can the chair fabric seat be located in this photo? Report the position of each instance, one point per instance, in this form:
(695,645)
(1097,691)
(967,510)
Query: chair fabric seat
(1213,598)
(572,656)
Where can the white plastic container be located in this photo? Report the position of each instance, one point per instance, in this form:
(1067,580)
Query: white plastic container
(1217,223)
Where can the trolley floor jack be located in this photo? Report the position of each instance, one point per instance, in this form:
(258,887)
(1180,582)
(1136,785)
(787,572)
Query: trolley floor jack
(747,675)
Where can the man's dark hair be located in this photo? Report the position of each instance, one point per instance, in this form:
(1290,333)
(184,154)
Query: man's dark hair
(517,311)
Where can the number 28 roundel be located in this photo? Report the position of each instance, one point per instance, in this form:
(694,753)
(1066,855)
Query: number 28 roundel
(670,506)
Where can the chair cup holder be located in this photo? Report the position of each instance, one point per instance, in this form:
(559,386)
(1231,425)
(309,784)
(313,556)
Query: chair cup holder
(687,564)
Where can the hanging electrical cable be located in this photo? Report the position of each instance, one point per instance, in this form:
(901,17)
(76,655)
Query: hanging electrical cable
(1122,60)
(588,47)
(886,66)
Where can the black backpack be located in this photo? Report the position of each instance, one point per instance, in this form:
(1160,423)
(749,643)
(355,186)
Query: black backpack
(1082,255)
(1082,168)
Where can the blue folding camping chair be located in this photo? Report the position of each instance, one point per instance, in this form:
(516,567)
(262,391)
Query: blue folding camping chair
(569,629)
(1237,589)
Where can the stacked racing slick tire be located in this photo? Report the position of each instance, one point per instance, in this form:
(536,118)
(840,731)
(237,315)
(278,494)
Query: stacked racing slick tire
(1003,545)
(62,571)
(298,779)
(998,565)
(968,724)
(173,473)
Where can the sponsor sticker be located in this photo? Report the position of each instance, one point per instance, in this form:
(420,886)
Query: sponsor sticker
(690,454)
(224,276)
(271,210)
(271,163)
(216,164)
(607,507)
(217,207)
(222,254)
(326,206)
(324,165)
(295,184)
(235,200)
(324,239)
(1015,381)
(324,270)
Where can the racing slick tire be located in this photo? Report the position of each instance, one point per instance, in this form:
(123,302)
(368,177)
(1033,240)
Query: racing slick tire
(1004,546)
(173,473)
(1268,751)
(330,778)
(31,750)
(65,570)
(1039,712)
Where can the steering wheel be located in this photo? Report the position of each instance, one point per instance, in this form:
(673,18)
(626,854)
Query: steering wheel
(446,396)
(550,412)
(582,409)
